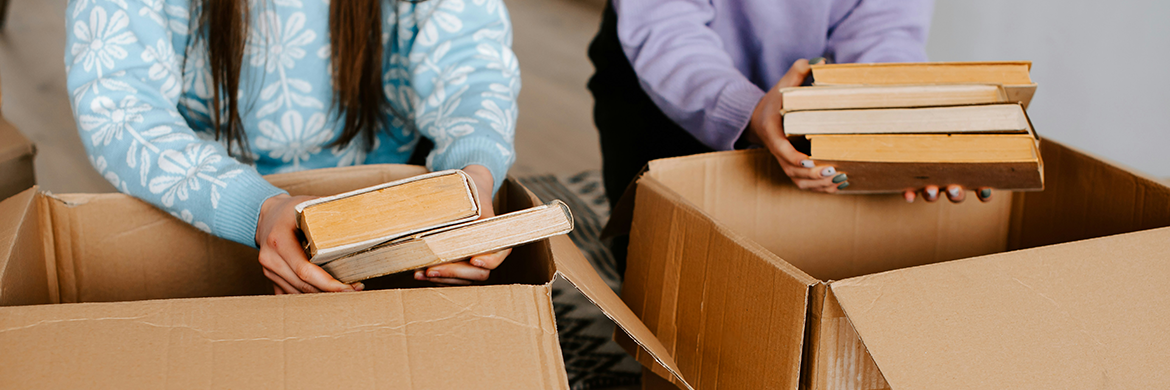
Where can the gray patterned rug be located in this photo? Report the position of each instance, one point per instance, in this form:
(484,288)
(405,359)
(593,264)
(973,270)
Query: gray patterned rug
(592,359)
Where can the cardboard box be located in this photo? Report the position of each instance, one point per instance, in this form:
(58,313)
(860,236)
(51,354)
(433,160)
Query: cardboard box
(16,161)
(651,381)
(106,291)
(753,284)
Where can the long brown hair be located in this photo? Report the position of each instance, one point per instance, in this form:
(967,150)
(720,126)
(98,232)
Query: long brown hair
(355,33)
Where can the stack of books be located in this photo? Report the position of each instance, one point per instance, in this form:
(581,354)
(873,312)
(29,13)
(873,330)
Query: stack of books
(415,223)
(896,127)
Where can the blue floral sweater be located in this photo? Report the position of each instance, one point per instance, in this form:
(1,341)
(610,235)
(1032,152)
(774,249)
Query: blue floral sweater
(141,89)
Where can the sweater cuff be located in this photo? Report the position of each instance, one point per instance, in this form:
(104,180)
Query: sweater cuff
(473,150)
(239,207)
(732,112)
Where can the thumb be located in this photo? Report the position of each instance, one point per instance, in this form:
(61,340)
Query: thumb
(796,74)
(783,150)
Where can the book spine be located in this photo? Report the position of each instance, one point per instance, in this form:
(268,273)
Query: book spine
(883,177)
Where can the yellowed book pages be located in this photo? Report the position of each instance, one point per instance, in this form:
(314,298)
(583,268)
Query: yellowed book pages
(941,148)
(890,96)
(454,243)
(996,118)
(1013,75)
(1006,73)
(360,219)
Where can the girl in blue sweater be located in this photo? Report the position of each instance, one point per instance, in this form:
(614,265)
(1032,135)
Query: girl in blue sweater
(185,103)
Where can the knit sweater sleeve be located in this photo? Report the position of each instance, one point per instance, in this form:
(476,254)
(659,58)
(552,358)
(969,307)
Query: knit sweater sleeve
(460,82)
(124,76)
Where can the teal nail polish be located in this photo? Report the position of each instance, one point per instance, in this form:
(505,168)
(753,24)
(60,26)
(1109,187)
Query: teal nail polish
(843,185)
(985,193)
(840,178)
(817,60)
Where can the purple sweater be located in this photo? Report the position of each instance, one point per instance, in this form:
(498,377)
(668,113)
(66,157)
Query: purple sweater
(706,63)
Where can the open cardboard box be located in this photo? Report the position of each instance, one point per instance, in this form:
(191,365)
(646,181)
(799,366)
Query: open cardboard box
(106,291)
(754,284)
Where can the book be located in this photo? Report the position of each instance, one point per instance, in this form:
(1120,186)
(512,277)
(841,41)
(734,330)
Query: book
(995,118)
(916,148)
(454,243)
(892,150)
(348,222)
(1014,76)
(890,96)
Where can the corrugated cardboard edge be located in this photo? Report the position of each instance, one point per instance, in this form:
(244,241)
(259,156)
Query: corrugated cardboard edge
(856,305)
(327,255)
(652,184)
(621,215)
(840,359)
(573,266)
(20,235)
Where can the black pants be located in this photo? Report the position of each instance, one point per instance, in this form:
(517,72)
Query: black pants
(633,130)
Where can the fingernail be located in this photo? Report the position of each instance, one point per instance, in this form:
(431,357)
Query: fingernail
(807,163)
(477,262)
(359,286)
(909,199)
(843,185)
(985,193)
(840,178)
(932,192)
(433,274)
(418,275)
(815,61)
(828,172)
(954,191)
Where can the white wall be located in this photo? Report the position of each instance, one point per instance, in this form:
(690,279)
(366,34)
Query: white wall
(1103,68)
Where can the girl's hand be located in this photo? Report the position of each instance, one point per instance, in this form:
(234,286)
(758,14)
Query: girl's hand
(479,267)
(281,254)
(954,193)
(767,128)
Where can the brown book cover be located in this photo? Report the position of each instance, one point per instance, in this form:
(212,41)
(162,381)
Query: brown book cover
(454,243)
(892,150)
(890,177)
(336,225)
(844,97)
(1013,75)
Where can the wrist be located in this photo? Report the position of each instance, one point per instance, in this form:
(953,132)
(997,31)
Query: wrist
(272,202)
(484,183)
(265,208)
(751,133)
(482,177)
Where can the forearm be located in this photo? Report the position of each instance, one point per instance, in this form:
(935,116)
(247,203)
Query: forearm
(124,99)
(466,92)
(682,66)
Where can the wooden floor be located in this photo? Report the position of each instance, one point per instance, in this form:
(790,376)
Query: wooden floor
(554,134)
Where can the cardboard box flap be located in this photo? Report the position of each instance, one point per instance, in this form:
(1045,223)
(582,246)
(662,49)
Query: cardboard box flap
(23,278)
(435,338)
(748,192)
(1083,314)
(13,212)
(97,243)
(576,269)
